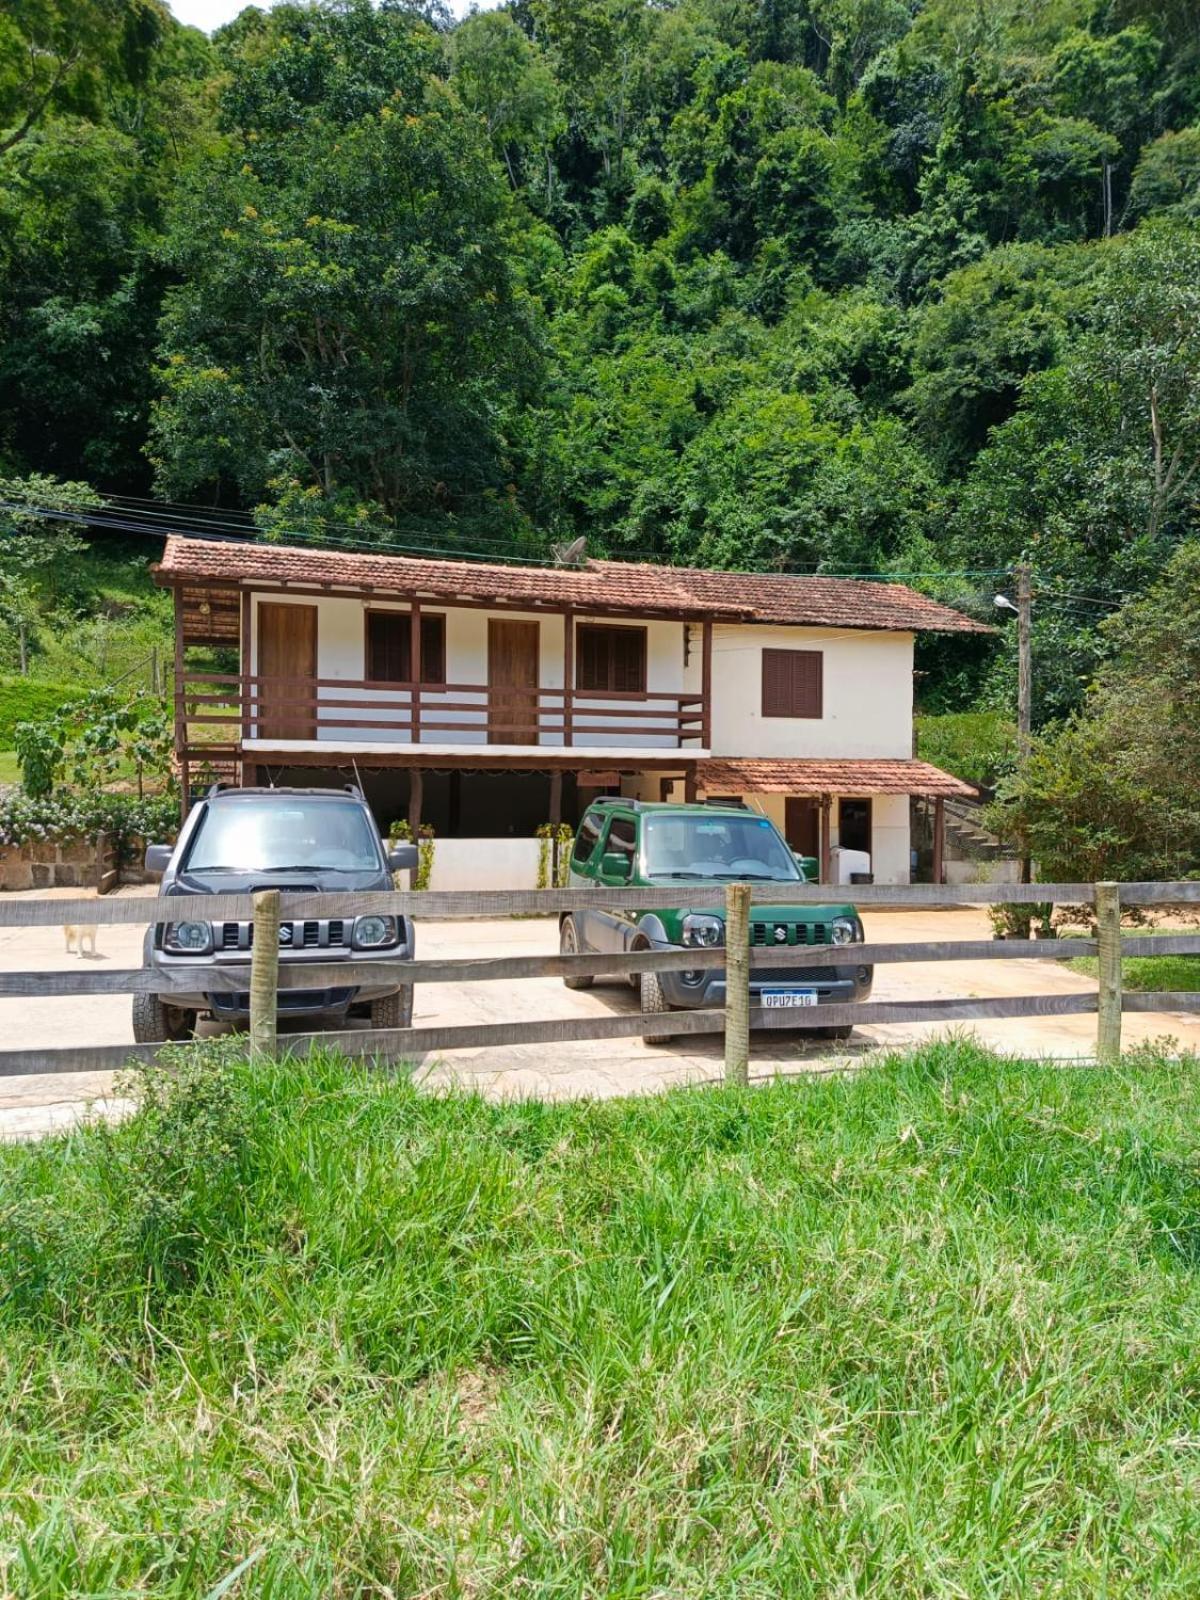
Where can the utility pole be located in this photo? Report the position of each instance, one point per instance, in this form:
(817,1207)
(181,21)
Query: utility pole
(1024,661)
(1024,683)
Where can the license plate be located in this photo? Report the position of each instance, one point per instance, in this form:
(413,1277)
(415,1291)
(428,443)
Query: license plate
(780,999)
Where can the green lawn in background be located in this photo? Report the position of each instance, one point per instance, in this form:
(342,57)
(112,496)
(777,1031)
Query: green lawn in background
(10,772)
(1166,974)
(930,1329)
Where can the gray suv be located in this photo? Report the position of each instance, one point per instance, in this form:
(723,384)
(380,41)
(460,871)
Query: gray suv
(313,841)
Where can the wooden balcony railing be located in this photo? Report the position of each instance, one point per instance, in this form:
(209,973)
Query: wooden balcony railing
(220,708)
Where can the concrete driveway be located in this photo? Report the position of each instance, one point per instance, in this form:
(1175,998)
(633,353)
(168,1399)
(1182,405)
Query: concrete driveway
(608,1067)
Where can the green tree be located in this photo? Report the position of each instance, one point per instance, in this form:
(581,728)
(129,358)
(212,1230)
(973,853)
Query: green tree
(347,315)
(1113,793)
(35,549)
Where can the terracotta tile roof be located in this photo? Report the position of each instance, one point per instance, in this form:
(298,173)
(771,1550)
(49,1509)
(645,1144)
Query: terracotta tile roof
(786,776)
(601,585)
(629,587)
(827,602)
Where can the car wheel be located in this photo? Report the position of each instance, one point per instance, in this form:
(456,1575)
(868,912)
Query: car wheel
(156,1023)
(653,999)
(393,1010)
(568,945)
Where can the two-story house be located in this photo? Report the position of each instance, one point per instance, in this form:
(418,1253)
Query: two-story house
(486,699)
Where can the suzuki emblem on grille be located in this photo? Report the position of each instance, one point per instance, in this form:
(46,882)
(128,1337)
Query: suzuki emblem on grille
(780,933)
(285,933)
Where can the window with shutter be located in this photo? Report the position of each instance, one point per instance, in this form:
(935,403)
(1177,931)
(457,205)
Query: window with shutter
(389,647)
(609,659)
(792,683)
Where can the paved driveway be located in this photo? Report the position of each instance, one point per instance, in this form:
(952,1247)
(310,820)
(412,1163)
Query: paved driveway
(605,1067)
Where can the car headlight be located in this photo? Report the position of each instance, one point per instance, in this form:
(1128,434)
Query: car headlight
(375,933)
(845,930)
(703,930)
(188,938)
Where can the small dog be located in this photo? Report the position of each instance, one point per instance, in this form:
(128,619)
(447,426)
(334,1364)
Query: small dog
(79,934)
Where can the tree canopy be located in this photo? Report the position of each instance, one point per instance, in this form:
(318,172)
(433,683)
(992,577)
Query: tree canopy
(837,285)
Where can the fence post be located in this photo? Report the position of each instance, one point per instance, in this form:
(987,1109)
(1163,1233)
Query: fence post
(1108,952)
(264,974)
(737,983)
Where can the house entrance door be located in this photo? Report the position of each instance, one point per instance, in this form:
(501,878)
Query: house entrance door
(802,824)
(287,671)
(512,682)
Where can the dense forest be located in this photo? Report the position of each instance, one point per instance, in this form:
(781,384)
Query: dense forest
(903,286)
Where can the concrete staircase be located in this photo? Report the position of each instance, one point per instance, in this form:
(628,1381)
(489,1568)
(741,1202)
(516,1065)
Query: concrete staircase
(966,836)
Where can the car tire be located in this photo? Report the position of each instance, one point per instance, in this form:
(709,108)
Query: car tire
(568,945)
(653,999)
(842,1031)
(156,1023)
(393,1010)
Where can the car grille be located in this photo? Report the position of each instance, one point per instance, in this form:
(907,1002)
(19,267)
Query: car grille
(767,933)
(767,977)
(332,933)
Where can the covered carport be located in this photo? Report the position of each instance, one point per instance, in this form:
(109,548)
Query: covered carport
(887,787)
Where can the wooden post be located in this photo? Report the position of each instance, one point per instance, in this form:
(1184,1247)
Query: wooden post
(247,683)
(415,674)
(706,651)
(939,839)
(185,776)
(568,681)
(826,858)
(416,797)
(737,983)
(556,788)
(1108,951)
(264,975)
(690,789)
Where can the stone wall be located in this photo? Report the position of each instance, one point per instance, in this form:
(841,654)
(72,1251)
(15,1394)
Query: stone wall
(44,864)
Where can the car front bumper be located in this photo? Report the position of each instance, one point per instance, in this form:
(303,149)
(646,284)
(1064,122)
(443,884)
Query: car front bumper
(233,1005)
(833,985)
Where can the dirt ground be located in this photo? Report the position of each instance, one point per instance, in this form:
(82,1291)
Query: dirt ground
(37,1104)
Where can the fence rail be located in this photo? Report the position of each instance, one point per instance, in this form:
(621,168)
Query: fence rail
(264,974)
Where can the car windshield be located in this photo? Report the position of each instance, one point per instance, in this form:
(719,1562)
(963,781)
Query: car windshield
(274,834)
(717,846)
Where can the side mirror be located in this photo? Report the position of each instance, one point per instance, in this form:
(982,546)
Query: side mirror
(402,858)
(615,865)
(158,857)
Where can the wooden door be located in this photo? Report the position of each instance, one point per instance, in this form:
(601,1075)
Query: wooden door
(512,682)
(802,824)
(287,671)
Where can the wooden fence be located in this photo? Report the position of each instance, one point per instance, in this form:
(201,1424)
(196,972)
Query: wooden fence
(264,974)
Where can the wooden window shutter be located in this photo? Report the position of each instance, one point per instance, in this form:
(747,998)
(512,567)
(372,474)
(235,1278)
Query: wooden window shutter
(610,658)
(793,683)
(389,647)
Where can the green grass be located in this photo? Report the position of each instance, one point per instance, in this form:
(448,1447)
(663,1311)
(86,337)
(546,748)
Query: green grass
(10,772)
(1153,974)
(930,1330)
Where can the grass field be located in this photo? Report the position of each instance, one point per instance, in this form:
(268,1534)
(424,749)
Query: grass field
(1153,974)
(930,1330)
(10,772)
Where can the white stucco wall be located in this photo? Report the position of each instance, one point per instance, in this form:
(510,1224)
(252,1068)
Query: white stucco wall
(868,694)
(341,654)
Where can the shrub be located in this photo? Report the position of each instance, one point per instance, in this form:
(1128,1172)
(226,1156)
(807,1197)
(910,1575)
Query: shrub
(75,815)
(977,746)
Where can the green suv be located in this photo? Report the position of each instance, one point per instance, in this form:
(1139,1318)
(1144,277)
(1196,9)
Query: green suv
(634,844)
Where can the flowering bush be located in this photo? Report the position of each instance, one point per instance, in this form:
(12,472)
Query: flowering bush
(73,815)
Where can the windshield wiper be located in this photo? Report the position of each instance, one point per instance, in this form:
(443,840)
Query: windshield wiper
(752,877)
(699,876)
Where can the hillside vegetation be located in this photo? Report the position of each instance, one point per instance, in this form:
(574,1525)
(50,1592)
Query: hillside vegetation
(931,1329)
(854,285)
